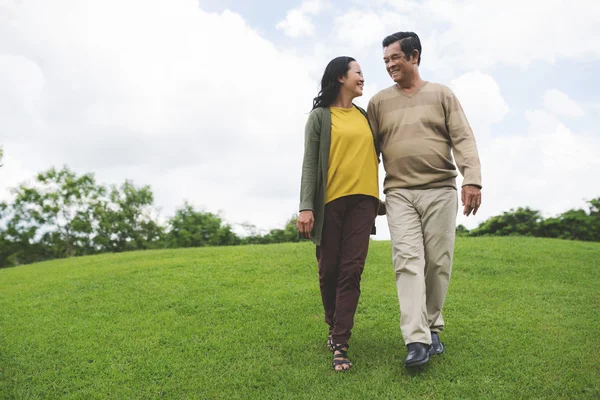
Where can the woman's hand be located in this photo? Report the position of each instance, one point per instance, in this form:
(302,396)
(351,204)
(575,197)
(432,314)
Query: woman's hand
(305,223)
(381,210)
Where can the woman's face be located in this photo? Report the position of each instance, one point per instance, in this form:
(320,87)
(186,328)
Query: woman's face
(353,82)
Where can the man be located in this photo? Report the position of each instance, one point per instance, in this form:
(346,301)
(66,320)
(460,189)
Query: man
(419,125)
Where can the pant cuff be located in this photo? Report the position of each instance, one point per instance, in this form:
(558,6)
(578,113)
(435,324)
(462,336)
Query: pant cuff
(340,339)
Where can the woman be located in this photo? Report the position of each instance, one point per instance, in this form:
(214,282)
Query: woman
(339,196)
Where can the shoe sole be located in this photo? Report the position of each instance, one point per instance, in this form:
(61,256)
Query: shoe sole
(417,363)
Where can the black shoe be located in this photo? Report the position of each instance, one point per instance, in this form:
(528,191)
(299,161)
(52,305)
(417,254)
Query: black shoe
(418,354)
(437,347)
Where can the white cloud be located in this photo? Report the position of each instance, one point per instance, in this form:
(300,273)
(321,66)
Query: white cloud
(204,109)
(155,98)
(546,165)
(12,173)
(549,167)
(359,29)
(484,106)
(480,97)
(21,99)
(458,35)
(297,22)
(314,7)
(561,104)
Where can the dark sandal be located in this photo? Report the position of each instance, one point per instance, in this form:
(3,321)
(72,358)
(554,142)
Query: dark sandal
(341,358)
(330,343)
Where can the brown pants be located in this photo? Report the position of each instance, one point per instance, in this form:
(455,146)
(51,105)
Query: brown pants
(341,256)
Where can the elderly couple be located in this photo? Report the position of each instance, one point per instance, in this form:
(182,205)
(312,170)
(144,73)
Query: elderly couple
(416,126)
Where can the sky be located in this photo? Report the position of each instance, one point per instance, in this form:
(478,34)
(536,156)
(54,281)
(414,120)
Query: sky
(206,101)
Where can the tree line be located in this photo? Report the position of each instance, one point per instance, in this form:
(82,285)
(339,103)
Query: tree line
(63,214)
(574,224)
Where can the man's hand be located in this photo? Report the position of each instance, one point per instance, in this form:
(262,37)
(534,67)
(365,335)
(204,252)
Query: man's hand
(305,223)
(471,199)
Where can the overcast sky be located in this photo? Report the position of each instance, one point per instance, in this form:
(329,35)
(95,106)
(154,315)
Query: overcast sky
(206,101)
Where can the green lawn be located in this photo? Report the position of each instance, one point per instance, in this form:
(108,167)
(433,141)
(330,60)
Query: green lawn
(522,320)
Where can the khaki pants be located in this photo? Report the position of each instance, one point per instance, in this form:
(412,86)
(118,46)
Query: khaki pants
(422,228)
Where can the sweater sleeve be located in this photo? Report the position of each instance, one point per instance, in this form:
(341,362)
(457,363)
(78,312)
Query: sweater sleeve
(464,146)
(310,163)
(373,121)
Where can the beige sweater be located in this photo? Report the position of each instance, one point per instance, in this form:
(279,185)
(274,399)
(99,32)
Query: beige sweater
(417,135)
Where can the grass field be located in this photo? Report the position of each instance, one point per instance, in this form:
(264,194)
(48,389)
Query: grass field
(522,320)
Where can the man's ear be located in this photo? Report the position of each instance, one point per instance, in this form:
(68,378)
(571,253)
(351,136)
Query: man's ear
(414,56)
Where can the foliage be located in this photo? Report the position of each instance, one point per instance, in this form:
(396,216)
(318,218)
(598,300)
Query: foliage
(576,224)
(191,228)
(52,218)
(127,220)
(287,234)
(462,230)
(63,215)
(522,221)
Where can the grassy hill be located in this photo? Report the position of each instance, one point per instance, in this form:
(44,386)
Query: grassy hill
(246,322)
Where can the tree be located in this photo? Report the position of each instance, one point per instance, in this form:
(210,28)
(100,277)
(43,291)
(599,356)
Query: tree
(56,212)
(595,207)
(63,214)
(522,221)
(191,228)
(285,235)
(574,224)
(8,244)
(1,155)
(126,220)
(462,230)
(288,234)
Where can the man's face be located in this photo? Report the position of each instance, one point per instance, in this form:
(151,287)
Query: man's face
(396,64)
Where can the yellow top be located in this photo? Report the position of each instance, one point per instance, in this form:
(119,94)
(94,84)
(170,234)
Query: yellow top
(352,159)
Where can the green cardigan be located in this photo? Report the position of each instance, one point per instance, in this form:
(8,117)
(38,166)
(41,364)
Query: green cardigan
(317,139)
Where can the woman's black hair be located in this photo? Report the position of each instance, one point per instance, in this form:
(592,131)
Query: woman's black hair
(330,86)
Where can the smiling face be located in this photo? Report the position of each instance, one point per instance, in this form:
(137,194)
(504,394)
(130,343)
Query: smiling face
(397,65)
(353,82)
